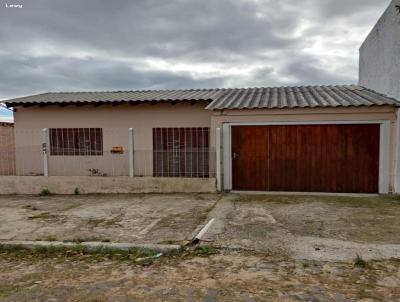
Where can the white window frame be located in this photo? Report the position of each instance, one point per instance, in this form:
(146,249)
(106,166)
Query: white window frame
(384,147)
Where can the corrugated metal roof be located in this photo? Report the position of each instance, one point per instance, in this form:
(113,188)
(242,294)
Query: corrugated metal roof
(117,96)
(300,97)
(245,98)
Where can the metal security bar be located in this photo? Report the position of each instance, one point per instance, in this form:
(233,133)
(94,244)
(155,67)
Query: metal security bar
(181,152)
(76,141)
(105,152)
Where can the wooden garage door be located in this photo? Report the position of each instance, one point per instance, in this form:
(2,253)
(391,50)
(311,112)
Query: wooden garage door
(306,158)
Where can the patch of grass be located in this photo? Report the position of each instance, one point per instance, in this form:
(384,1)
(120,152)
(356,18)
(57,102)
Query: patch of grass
(200,197)
(95,222)
(45,215)
(360,262)
(76,191)
(45,192)
(98,253)
(205,250)
(167,242)
(87,239)
(50,238)
(266,198)
(30,207)
(8,289)
(115,220)
(72,206)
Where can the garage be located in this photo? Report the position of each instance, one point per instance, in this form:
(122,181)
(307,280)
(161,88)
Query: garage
(337,158)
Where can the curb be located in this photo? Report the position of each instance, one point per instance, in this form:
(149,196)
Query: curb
(92,246)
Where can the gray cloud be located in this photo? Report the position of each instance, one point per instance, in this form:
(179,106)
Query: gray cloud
(53,45)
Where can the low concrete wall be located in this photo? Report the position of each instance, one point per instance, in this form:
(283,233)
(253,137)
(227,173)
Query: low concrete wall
(91,185)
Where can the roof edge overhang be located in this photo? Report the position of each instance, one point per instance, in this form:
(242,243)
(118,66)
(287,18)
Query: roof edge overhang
(104,102)
(305,107)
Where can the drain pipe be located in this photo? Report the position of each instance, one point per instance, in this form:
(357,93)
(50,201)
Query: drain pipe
(202,232)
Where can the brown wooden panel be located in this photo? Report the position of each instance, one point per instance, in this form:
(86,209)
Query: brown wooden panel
(249,158)
(306,158)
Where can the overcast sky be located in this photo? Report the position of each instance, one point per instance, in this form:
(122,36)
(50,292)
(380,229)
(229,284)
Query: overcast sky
(63,45)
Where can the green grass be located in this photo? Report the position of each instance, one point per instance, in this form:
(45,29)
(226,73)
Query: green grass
(45,215)
(87,239)
(74,251)
(8,289)
(45,192)
(167,242)
(205,250)
(50,238)
(360,262)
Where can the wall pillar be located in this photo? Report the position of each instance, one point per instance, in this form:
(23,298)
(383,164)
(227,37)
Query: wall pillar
(131,153)
(45,148)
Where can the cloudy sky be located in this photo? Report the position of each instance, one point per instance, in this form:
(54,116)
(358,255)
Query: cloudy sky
(63,45)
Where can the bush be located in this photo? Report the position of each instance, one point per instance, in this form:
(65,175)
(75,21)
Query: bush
(360,262)
(76,191)
(45,192)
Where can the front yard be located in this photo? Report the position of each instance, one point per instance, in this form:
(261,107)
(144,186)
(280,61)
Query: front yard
(287,248)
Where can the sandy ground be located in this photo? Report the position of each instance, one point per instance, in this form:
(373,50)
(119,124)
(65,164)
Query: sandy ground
(230,276)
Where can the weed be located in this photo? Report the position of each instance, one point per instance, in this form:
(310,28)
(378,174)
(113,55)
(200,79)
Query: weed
(45,215)
(100,252)
(205,250)
(8,289)
(88,239)
(50,238)
(45,192)
(76,191)
(360,262)
(167,242)
(30,207)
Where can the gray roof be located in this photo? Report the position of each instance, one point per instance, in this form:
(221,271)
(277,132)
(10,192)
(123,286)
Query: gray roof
(301,97)
(235,98)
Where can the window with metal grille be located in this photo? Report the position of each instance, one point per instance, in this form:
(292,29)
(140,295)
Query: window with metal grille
(181,152)
(76,141)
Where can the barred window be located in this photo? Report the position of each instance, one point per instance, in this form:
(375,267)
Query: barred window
(181,152)
(76,141)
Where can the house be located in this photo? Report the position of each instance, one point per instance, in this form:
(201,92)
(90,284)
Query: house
(380,54)
(339,139)
(7,151)
(307,139)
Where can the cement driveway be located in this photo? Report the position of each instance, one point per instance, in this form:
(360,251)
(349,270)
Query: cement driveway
(151,218)
(325,228)
(301,227)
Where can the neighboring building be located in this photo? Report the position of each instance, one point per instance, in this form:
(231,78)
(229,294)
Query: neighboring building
(310,139)
(380,54)
(7,149)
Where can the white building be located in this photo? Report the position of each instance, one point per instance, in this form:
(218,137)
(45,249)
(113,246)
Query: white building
(380,54)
